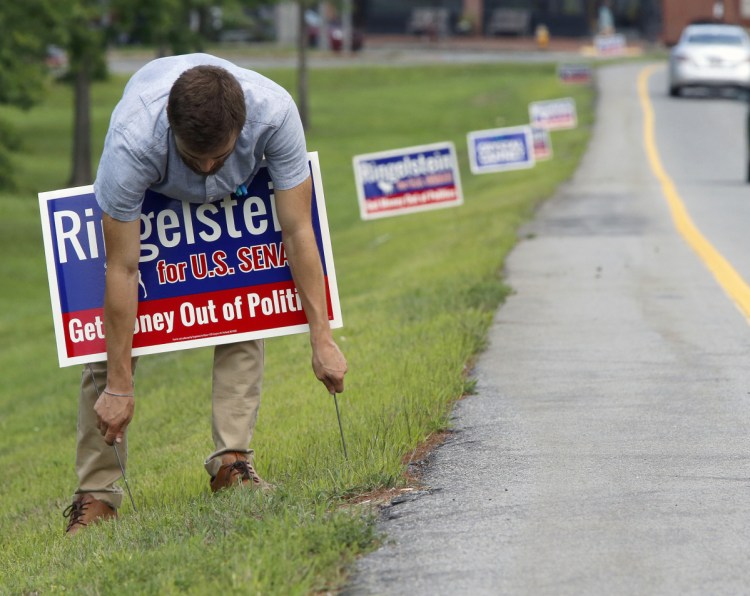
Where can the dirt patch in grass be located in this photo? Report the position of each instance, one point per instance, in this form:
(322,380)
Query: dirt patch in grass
(415,462)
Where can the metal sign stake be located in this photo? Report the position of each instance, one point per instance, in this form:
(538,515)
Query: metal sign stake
(341,429)
(114,445)
(125,478)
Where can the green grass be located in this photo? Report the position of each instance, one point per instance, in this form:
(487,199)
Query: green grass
(418,293)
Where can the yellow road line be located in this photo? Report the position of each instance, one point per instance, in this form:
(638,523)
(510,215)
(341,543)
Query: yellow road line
(730,281)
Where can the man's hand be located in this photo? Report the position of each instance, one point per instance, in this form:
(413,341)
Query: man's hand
(329,365)
(293,210)
(113,416)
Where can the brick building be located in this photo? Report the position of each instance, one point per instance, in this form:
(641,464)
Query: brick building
(678,13)
(569,18)
(656,20)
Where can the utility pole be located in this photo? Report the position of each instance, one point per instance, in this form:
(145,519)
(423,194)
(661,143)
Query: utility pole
(346,24)
(302,40)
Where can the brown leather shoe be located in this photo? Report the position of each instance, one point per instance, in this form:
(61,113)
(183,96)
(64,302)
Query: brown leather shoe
(86,510)
(237,470)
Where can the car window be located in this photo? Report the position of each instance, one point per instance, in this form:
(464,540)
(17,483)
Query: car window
(721,39)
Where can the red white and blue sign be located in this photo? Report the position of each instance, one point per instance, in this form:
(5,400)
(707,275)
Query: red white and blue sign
(501,149)
(407,180)
(575,73)
(542,143)
(610,45)
(210,273)
(554,114)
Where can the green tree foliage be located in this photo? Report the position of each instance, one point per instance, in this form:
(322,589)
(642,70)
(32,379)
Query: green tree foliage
(171,26)
(84,28)
(26,29)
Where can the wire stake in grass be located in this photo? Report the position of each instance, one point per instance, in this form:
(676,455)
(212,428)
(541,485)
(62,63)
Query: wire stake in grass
(117,453)
(341,430)
(125,478)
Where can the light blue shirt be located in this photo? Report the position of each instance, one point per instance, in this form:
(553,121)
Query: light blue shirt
(140,154)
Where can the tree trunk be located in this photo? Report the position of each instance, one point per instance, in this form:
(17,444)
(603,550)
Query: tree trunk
(302,66)
(81,172)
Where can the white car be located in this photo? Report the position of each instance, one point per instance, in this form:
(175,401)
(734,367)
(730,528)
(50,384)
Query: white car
(710,55)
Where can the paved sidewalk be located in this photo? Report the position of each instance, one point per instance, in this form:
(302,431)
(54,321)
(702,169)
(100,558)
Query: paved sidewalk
(606,450)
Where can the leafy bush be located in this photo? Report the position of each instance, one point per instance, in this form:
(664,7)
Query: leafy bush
(10,140)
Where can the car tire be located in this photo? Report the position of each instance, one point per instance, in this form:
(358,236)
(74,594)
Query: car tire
(674,91)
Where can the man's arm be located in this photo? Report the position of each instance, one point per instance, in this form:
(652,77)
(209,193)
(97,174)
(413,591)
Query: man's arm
(293,210)
(116,404)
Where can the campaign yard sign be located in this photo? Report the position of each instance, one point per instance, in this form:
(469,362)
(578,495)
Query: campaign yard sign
(407,180)
(610,45)
(501,149)
(542,143)
(554,114)
(575,73)
(209,273)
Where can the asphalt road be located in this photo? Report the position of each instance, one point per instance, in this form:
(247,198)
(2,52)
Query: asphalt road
(607,450)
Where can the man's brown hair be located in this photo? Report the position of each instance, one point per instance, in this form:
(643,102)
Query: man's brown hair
(206,107)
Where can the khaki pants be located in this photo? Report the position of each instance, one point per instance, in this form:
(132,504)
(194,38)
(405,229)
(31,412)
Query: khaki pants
(237,379)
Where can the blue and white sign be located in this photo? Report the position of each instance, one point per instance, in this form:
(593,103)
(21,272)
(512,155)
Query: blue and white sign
(554,114)
(209,273)
(575,73)
(501,149)
(542,143)
(610,45)
(407,180)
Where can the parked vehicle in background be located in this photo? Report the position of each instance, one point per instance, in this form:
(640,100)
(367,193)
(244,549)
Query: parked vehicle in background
(710,55)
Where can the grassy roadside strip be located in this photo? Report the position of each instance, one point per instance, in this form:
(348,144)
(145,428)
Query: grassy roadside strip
(418,293)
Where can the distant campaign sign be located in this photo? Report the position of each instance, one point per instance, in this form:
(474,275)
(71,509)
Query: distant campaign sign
(575,73)
(610,45)
(554,114)
(209,273)
(407,180)
(501,149)
(542,143)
